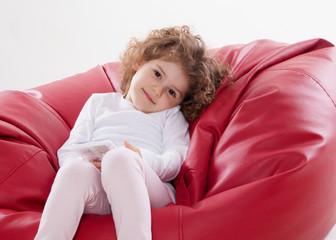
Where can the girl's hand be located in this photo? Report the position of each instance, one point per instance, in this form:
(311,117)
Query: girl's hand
(131,147)
(127,145)
(96,163)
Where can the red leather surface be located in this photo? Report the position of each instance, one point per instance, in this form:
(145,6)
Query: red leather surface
(261,163)
(68,95)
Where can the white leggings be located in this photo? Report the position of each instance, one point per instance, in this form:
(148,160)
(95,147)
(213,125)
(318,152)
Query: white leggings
(127,187)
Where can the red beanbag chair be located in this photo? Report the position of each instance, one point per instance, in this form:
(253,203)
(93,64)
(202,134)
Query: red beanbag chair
(261,163)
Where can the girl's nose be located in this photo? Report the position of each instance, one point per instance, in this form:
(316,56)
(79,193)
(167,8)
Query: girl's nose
(157,91)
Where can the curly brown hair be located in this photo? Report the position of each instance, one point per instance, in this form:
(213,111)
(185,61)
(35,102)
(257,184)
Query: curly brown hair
(177,44)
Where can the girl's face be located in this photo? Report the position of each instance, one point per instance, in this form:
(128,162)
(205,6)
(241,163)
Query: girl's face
(157,85)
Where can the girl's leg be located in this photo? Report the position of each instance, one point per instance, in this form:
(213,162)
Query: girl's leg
(132,187)
(77,188)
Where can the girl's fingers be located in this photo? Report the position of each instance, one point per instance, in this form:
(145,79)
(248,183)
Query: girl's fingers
(97,164)
(131,147)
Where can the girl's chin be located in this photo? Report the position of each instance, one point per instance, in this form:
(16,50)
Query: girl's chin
(141,108)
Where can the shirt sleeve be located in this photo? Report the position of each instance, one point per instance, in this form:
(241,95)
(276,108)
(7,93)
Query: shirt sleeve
(175,146)
(80,133)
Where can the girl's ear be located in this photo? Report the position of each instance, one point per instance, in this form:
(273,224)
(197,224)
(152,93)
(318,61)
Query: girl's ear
(135,66)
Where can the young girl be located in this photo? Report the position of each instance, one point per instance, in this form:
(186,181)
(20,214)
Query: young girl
(142,135)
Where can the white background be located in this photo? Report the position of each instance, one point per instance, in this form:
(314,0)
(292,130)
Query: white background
(46,40)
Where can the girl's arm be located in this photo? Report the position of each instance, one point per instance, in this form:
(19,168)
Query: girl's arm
(175,145)
(80,133)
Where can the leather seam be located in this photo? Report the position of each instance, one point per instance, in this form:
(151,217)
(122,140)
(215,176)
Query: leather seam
(310,76)
(18,166)
(48,108)
(180,221)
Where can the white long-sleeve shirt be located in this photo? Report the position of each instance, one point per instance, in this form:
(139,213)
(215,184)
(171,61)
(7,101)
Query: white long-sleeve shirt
(162,137)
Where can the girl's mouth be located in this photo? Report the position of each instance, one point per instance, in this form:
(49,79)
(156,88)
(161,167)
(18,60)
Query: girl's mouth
(148,96)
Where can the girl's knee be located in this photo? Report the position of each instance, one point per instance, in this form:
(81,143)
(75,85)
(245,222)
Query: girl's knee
(120,158)
(78,171)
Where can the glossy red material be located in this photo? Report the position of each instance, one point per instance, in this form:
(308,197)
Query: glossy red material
(261,163)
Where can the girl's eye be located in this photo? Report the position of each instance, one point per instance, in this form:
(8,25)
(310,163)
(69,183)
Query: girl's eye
(171,92)
(158,74)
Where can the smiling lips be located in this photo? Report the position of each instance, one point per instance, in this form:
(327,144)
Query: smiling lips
(148,96)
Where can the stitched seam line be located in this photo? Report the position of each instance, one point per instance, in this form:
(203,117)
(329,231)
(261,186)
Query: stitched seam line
(243,60)
(44,104)
(180,221)
(311,76)
(16,168)
(108,77)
